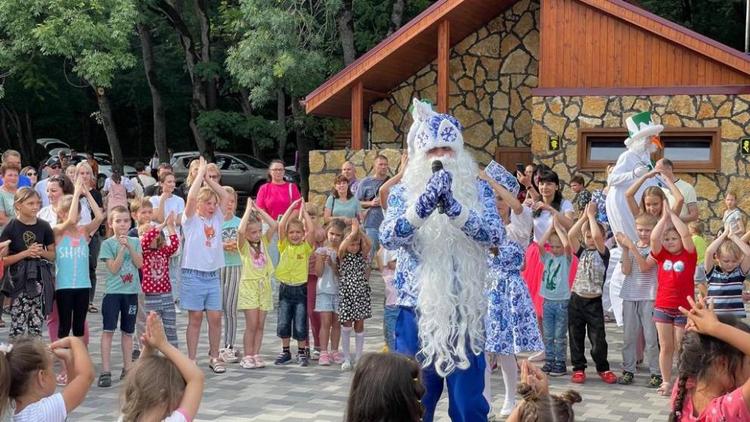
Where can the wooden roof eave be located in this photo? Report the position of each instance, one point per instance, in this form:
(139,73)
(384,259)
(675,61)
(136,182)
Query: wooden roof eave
(673,32)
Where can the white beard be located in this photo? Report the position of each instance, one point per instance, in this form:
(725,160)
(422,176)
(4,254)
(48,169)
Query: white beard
(451,305)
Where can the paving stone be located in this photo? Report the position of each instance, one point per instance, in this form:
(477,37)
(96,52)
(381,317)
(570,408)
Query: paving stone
(291,393)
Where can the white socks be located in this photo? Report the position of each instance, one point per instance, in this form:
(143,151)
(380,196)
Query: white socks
(359,344)
(346,333)
(507,364)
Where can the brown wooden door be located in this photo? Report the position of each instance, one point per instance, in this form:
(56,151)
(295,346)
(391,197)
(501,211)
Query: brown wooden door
(510,157)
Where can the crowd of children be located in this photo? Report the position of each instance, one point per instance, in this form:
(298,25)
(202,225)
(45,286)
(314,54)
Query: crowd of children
(222,264)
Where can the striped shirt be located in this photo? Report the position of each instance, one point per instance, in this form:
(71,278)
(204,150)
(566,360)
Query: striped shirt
(639,285)
(725,289)
(48,409)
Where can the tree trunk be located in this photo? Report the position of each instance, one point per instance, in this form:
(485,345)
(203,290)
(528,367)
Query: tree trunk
(303,149)
(345,23)
(160,119)
(4,129)
(397,15)
(201,11)
(198,100)
(247,111)
(109,128)
(28,144)
(281,121)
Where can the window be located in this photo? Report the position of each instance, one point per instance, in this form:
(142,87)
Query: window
(691,149)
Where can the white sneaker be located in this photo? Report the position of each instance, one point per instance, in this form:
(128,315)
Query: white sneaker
(315,355)
(347,365)
(228,355)
(538,357)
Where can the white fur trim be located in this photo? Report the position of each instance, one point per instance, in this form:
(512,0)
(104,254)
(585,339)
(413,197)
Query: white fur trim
(460,219)
(412,217)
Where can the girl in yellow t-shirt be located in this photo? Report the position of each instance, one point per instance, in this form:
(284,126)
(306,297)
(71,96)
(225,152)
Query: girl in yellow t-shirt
(255,283)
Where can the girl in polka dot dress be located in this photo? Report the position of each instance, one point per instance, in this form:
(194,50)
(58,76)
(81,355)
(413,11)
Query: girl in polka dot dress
(155,281)
(354,294)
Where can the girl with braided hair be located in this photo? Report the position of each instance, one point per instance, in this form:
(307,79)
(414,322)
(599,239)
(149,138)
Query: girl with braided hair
(714,368)
(538,404)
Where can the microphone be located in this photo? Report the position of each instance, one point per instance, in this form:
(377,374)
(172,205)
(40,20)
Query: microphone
(437,165)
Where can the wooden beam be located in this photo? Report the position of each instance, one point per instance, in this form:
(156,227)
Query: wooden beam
(358,114)
(443,61)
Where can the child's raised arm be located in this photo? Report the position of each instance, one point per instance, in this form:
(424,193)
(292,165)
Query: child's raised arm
(679,200)
(563,235)
(192,196)
(625,243)
(98,213)
(575,232)
(224,196)
(507,197)
(708,261)
(545,238)
(285,218)
(309,225)
(682,229)
(745,248)
(270,222)
(704,321)
(346,242)
(194,378)
(80,370)
(658,232)
(596,231)
(72,219)
(633,189)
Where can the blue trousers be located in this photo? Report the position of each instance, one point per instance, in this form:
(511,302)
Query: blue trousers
(466,403)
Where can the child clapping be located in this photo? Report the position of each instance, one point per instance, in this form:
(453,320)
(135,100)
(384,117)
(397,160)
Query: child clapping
(161,388)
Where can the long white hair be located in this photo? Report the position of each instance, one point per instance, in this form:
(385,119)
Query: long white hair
(451,275)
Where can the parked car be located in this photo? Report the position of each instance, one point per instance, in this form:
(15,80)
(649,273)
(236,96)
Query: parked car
(243,172)
(53,147)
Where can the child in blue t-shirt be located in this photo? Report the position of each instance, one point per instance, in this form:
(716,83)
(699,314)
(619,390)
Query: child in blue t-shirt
(556,293)
(123,257)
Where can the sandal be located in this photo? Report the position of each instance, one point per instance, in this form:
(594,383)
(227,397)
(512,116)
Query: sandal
(105,379)
(61,380)
(248,362)
(93,309)
(217,366)
(665,389)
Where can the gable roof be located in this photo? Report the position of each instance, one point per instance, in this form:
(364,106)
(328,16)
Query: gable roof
(414,46)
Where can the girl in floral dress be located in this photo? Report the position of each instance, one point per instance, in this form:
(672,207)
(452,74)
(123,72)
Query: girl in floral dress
(354,294)
(511,321)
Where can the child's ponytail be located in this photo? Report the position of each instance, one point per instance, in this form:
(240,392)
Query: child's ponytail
(679,400)
(5,379)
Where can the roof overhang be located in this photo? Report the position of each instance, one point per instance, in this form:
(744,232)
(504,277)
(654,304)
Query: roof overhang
(401,55)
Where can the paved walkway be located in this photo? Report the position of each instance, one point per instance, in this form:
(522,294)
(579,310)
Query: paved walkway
(290,393)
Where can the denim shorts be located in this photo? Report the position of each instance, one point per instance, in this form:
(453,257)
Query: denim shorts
(201,290)
(325,302)
(670,316)
(119,306)
(292,320)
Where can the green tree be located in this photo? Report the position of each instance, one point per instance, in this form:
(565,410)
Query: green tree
(92,35)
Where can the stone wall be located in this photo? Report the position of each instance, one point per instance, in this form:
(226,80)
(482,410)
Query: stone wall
(562,116)
(325,165)
(492,73)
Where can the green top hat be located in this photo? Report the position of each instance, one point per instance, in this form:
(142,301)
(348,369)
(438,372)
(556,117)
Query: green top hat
(640,126)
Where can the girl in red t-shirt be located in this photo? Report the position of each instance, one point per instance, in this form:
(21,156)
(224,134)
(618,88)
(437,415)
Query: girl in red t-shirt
(672,248)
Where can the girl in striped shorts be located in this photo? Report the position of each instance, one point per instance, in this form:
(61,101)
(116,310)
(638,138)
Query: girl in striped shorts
(155,282)
(230,277)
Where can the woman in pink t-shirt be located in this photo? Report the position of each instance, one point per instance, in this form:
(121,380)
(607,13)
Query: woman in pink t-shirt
(274,198)
(714,368)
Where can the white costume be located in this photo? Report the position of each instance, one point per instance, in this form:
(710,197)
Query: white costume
(632,164)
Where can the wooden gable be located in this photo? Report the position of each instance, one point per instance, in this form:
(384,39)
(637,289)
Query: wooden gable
(591,44)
